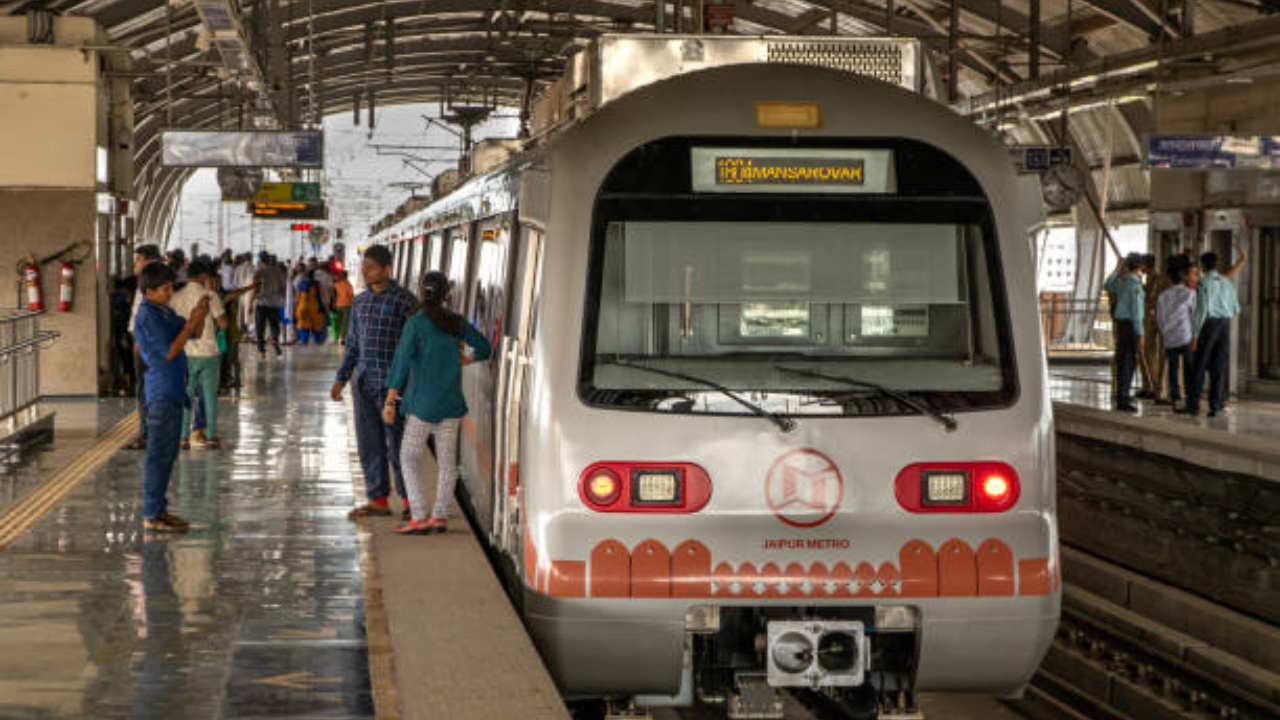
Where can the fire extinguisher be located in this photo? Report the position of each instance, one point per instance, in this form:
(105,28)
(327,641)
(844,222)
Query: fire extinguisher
(31,277)
(67,290)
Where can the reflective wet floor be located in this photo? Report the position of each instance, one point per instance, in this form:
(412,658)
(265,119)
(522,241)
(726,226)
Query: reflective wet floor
(257,613)
(1090,386)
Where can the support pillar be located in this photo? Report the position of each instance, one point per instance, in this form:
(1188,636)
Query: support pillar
(66,138)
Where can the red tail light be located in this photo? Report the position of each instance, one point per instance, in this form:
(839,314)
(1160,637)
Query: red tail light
(642,487)
(975,487)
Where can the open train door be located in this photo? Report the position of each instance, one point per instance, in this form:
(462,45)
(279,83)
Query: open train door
(514,387)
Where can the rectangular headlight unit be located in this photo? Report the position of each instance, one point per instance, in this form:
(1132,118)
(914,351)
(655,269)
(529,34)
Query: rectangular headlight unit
(942,487)
(655,487)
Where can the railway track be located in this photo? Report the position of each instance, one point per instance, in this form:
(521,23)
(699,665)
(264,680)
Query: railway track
(1132,648)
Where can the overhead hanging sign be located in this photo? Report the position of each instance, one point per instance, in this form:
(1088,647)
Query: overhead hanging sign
(1213,152)
(786,170)
(287,192)
(1039,158)
(288,210)
(198,148)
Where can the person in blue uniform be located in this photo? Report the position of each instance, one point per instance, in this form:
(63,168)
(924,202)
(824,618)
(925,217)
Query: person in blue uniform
(427,374)
(161,336)
(1216,304)
(1125,283)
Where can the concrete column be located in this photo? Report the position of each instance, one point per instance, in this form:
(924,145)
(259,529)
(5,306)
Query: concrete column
(64,150)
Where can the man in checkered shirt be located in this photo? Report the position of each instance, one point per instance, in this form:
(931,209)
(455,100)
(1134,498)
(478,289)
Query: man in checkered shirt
(378,315)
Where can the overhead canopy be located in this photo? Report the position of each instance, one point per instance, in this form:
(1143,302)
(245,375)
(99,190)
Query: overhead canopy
(322,56)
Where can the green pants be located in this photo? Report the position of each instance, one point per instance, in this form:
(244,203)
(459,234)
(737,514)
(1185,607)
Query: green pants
(202,378)
(341,319)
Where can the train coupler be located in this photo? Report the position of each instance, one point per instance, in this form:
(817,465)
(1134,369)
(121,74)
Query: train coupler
(753,698)
(898,705)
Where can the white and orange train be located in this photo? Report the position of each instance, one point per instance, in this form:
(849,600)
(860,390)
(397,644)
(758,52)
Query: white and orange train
(768,408)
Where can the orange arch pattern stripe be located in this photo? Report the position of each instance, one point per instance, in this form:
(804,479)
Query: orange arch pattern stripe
(651,570)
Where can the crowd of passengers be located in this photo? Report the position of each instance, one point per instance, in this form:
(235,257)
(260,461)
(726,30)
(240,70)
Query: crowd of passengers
(1174,327)
(402,355)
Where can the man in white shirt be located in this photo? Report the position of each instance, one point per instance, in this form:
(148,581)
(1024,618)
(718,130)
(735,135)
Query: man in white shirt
(243,277)
(1175,310)
(203,354)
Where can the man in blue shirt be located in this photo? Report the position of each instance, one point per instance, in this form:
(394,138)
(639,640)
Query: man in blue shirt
(1126,285)
(378,316)
(1216,304)
(161,335)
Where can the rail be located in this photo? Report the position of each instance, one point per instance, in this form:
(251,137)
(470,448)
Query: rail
(1071,324)
(20,342)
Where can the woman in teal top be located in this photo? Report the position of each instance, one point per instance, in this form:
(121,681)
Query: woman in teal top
(426,386)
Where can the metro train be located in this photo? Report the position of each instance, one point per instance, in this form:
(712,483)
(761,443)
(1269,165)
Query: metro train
(768,409)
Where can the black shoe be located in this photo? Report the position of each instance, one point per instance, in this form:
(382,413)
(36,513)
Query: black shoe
(1145,395)
(279,352)
(1216,413)
(1190,412)
(1126,407)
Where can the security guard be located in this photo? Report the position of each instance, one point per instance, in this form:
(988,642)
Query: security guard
(1126,284)
(1216,304)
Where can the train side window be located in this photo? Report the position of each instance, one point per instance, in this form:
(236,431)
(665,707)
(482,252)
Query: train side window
(437,252)
(457,269)
(489,291)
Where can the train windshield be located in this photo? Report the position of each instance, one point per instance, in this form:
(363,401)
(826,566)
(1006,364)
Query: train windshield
(803,303)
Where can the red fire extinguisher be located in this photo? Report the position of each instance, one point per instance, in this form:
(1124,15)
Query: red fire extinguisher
(31,278)
(67,291)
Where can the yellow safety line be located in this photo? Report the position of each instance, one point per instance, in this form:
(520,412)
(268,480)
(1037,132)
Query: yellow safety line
(39,500)
(382,676)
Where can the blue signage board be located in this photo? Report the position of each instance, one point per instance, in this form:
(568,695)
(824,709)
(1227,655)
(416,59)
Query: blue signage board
(1213,152)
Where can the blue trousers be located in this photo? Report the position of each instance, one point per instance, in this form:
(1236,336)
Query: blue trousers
(1179,370)
(377,443)
(1126,358)
(1213,350)
(164,430)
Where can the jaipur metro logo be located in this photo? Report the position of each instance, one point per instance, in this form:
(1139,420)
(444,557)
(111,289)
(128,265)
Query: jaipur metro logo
(804,488)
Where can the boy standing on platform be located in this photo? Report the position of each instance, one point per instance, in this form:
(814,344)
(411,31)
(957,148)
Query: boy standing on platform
(161,336)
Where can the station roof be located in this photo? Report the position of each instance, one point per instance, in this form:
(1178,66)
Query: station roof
(420,50)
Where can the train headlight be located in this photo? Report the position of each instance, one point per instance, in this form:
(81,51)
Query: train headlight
(957,487)
(604,486)
(945,488)
(644,486)
(654,487)
(995,488)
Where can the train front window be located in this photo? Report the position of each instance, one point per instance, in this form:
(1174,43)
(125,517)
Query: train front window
(779,296)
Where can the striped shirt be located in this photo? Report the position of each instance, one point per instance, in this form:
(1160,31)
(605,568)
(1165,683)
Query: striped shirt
(377,320)
(1174,310)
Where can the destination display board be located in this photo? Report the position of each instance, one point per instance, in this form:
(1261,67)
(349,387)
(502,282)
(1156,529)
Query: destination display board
(1213,152)
(788,170)
(287,192)
(288,210)
(200,148)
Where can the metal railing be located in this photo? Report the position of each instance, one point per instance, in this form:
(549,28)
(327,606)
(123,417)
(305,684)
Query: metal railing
(20,342)
(1072,324)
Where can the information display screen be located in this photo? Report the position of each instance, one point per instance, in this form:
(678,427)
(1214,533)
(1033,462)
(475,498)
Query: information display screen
(800,170)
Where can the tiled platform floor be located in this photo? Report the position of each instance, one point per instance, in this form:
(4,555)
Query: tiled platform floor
(258,613)
(1090,386)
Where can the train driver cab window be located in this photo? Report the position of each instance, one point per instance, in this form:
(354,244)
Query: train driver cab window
(807,303)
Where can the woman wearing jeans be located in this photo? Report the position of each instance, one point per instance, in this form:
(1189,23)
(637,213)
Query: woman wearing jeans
(428,363)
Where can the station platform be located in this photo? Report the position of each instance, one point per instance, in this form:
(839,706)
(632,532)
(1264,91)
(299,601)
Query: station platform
(275,605)
(1245,439)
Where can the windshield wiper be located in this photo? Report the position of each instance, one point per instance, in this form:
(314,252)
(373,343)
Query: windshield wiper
(947,421)
(784,424)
